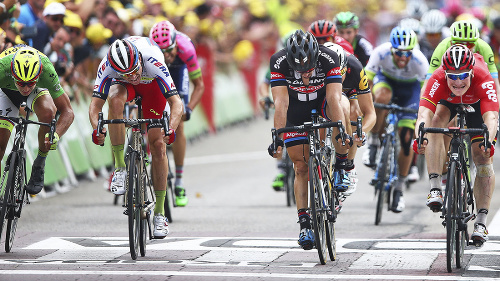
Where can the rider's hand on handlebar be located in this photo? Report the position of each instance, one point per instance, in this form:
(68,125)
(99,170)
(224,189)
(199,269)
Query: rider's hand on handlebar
(489,152)
(279,148)
(359,141)
(169,137)
(99,140)
(422,146)
(51,145)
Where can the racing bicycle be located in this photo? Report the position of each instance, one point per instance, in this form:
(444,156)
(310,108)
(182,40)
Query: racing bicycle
(139,194)
(386,172)
(323,198)
(13,195)
(458,203)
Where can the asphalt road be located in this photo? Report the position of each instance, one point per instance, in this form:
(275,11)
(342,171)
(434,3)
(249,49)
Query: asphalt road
(236,227)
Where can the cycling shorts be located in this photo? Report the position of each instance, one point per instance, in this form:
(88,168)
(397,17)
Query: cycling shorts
(404,94)
(294,138)
(153,102)
(472,120)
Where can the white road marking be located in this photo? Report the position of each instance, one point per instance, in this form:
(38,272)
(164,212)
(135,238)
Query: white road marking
(394,261)
(241,274)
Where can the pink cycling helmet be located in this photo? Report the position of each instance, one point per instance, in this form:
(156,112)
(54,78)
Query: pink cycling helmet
(163,33)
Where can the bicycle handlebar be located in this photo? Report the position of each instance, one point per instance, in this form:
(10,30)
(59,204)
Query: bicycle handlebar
(359,126)
(395,107)
(267,104)
(164,121)
(22,121)
(455,131)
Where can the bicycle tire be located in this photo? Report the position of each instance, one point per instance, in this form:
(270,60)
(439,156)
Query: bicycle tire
(168,205)
(132,212)
(144,216)
(5,190)
(461,236)
(289,181)
(17,197)
(451,214)
(317,211)
(331,243)
(383,169)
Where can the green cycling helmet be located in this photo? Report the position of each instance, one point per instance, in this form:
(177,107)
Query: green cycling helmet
(464,31)
(346,20)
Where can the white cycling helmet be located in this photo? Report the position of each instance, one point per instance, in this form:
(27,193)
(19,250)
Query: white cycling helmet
(341,53)
(433,21)
(412,24)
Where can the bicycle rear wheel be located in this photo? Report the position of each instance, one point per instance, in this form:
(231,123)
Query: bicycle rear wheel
(17,197)
(169,195)
(145,224)
(289,181)
(451,214)
(383,170)
(133,205)
(317,210)
(462,208)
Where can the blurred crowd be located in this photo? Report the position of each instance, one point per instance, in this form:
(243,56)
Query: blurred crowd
(75,34)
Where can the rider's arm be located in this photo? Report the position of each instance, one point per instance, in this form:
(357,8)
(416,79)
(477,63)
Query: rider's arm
(281,101)
(490,118)
(176,108)
(63,105)
(366,105)
(424,115)
(96,105)
(199,88)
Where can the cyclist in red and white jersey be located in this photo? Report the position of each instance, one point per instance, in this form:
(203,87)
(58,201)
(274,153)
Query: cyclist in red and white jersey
(326,31)
(180,57)
(134,66)
(462,78)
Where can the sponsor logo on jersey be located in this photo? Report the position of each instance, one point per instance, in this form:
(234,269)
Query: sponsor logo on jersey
(160,65)
(334,72)
(492,94)
(290,135)
(278,61)
(327,56)
(304,89)
(277,75)
(435,86)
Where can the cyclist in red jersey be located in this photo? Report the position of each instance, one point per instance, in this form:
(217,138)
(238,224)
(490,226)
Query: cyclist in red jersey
(463,78)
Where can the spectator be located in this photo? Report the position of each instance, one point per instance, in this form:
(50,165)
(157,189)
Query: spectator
(30,12)
(97,41)
(112,21)
(53,19)
(495,40)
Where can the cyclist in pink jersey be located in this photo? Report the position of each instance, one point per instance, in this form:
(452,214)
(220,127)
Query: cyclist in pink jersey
(180,57)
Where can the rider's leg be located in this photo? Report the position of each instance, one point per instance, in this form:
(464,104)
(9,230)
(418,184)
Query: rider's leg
(179,151)
(160,165)
(116,99)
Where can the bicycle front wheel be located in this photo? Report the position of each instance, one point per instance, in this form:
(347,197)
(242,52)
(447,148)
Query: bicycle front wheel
(461,236)
(133,205)
(146,200)
(451,214)
(5,189)
(317,210)
(383,174)
(17,197)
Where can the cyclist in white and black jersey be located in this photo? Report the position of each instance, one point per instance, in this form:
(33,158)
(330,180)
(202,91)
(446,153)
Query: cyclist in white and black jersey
(135,66)
(355,87)
(435,30)
(306,76)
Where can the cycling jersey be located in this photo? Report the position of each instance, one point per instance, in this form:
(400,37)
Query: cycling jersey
(186,56)
(356,81)
(153,70)
(344,44)
(482,89)
(382,60)
(302,98)
(362,49)
(48,77)
(481,47)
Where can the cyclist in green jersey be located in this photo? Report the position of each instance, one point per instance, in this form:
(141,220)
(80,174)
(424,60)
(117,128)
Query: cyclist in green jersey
(27,75)
(466,33)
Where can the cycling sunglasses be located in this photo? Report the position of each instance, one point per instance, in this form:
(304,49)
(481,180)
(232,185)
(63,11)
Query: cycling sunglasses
(169,49)
(23,84)
(401,53)
(131,73)
(458,76)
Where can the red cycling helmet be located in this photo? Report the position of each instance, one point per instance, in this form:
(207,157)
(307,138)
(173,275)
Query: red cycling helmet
(323,28)
(458,57)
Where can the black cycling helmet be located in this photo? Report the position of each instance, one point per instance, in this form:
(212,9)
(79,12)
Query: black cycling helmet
(302,51)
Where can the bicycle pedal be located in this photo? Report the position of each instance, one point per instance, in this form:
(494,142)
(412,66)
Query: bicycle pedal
(125,212)
(444,223)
